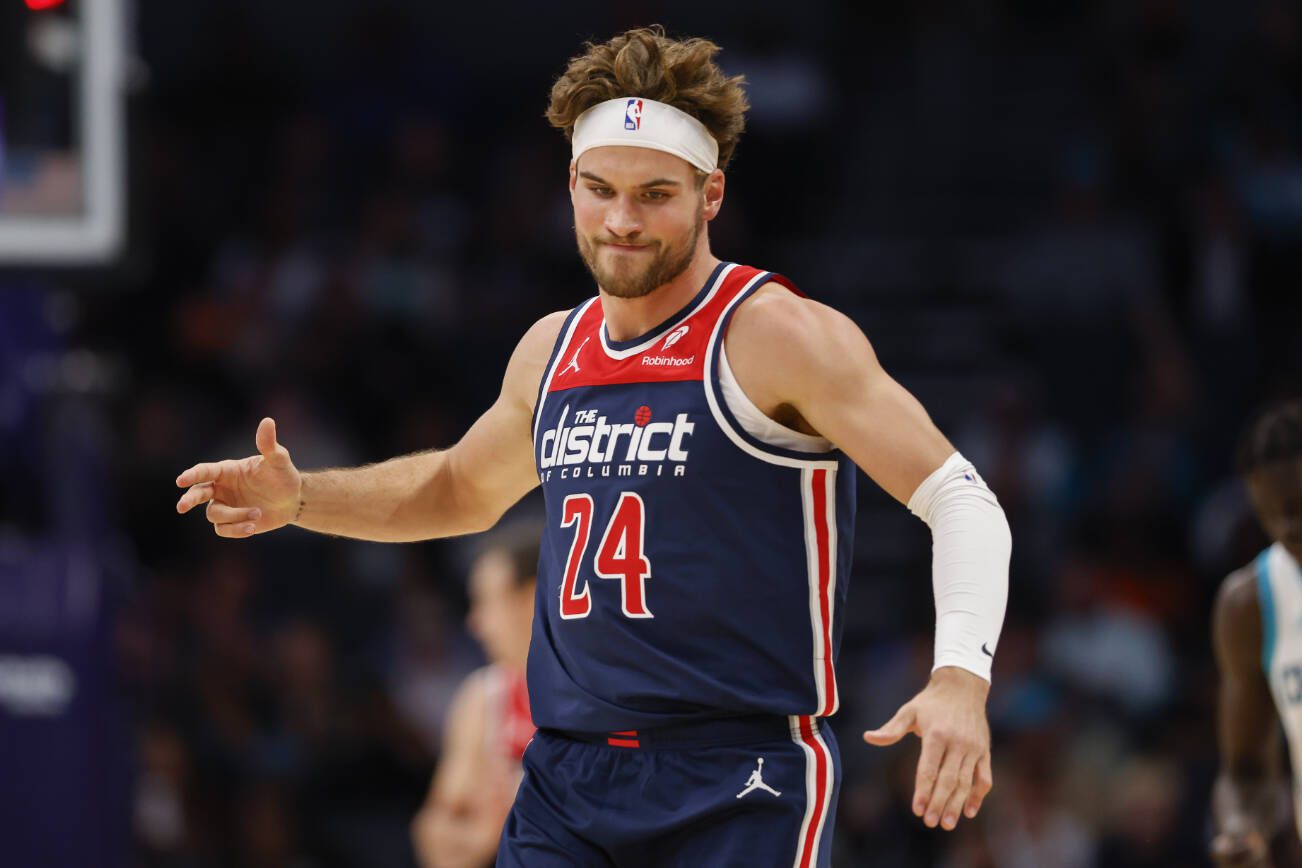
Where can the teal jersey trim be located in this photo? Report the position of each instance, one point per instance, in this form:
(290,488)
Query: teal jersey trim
(1266,600)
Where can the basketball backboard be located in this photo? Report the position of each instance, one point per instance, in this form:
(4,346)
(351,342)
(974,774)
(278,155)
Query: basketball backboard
(61,131)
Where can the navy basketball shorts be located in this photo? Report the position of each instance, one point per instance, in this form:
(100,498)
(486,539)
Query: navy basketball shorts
(746,792)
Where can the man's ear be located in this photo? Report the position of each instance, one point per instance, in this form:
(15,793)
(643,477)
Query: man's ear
(713,193)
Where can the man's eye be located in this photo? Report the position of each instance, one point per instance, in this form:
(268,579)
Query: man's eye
(603,191)
(656,195)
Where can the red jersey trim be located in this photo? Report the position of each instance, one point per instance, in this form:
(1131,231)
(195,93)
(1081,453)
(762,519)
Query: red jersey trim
(676,355)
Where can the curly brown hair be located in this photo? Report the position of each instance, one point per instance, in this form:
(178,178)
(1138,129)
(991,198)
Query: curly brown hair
(645,63)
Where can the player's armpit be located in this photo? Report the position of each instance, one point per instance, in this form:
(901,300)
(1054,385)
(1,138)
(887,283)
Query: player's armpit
(792,352)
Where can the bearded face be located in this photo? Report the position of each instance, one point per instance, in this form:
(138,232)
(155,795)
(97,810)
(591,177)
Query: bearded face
(632,269)
(638,218)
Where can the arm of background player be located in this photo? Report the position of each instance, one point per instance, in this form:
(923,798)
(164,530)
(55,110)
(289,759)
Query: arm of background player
(458,826)
(460,490)
(1244,798)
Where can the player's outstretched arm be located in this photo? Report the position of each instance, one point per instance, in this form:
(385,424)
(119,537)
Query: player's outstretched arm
(1244,797)
(432,494)
(794,354)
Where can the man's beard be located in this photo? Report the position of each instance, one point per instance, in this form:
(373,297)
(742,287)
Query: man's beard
(666,264)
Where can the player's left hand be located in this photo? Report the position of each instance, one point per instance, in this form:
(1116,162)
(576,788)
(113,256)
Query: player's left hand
(949,715)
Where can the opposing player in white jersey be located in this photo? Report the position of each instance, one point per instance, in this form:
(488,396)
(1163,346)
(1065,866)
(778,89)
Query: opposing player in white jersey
(1257,633)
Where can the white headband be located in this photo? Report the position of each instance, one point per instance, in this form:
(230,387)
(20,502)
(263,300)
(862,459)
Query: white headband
(645,123)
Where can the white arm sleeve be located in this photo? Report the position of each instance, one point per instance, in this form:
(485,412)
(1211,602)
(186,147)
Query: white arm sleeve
(970,545)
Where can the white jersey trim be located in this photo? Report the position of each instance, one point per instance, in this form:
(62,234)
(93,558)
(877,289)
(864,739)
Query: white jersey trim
(758,425)
(713,399)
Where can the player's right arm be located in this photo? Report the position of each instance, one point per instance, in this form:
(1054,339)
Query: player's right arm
(464,489)
(1243,800)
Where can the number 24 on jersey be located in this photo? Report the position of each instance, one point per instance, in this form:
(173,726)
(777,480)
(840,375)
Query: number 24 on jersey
(619,555)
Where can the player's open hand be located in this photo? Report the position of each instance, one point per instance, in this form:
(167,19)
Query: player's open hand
(949,715)
(246,496)
(1244,848)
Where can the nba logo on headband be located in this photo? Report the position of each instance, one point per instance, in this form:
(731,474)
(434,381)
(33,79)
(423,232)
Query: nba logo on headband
(633,115)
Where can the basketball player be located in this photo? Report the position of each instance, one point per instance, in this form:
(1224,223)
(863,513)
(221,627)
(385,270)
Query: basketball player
(488,725)
(695,429)
(1257,633)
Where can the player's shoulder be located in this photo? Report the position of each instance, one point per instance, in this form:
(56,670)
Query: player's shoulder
(773,313)
(777,306)
(532,352)
(544,332)
(1236,614)
(1238,590)
(473,695)
(779,329)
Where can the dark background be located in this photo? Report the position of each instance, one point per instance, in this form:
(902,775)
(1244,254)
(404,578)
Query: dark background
(1072,229)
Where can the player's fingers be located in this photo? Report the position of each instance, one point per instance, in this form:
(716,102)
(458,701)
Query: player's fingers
(933,751)
(220,513)
(949,817)
(238,530)
(206,472)
(265,438)
(194,496)
(982,783)
(946,781)
(904,722)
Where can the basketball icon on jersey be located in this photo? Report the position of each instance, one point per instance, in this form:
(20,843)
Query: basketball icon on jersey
(633,115)
(642,416)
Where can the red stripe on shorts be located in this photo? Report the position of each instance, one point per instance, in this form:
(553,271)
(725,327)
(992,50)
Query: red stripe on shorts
(822,782)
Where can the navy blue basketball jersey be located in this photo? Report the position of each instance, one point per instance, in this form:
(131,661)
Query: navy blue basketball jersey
(690,570)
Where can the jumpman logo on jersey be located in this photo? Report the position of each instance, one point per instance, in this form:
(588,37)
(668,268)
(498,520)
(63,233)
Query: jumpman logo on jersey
(756,781)
(574,359)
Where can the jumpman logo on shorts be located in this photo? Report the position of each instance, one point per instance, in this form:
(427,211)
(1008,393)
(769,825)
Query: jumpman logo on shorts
(574,359)
(756,781)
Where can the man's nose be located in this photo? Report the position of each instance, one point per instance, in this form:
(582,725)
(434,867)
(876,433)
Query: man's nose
(622,219)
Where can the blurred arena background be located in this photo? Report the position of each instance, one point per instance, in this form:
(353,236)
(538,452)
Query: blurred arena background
(1074,230)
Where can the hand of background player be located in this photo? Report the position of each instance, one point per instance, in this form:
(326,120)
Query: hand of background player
(949,715)
(1240,848)
(246,496)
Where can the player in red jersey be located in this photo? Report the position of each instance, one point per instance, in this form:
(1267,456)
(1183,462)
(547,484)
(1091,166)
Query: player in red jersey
(641,211)
(488,725)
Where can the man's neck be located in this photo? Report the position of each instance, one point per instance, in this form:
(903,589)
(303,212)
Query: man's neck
(626,318)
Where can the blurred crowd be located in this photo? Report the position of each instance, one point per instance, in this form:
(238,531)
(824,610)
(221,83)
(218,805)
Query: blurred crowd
(1071,229)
